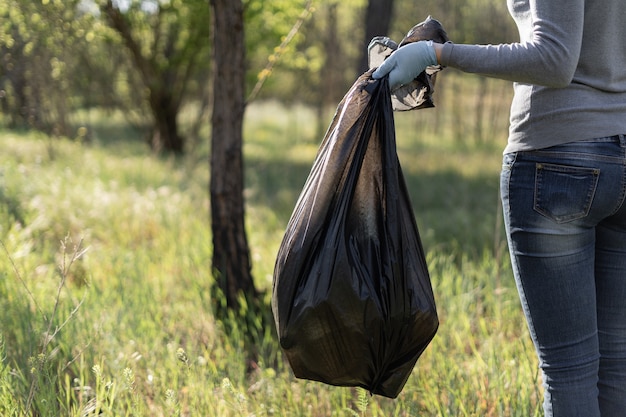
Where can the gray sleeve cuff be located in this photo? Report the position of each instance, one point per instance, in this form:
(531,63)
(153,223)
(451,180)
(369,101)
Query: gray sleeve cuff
(446,52)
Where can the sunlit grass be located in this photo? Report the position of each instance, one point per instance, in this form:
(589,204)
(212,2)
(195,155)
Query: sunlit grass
(137,336)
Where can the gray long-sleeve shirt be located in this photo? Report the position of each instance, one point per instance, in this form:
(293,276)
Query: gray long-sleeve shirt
(569,70)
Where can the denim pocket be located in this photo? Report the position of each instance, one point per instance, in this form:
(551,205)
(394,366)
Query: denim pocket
(564,193)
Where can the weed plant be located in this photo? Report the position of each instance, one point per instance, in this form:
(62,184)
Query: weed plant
(105,304)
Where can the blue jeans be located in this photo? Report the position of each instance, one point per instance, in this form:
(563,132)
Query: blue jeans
(565,218)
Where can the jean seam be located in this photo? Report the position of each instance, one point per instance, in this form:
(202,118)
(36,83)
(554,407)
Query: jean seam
(575,155)
(622,196)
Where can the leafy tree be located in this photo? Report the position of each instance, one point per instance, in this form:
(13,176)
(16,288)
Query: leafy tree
(167,43)
(40,47)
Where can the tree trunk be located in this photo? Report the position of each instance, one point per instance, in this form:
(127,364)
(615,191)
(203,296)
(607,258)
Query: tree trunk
(164,135)
(231,259)
(377,23)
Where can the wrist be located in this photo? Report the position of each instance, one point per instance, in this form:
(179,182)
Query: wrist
(438,47)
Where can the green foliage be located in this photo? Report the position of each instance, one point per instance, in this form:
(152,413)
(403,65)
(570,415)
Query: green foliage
(10,403)
(60,57)
(41,44)
(167,44)
(334,31)
(266,26)
(84,193)
(172,39)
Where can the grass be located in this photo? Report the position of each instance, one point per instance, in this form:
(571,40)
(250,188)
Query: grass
(104,280)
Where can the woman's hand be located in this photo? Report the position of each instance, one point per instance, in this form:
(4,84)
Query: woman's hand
(407,62)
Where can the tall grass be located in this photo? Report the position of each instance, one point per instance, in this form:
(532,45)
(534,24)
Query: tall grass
(105,304)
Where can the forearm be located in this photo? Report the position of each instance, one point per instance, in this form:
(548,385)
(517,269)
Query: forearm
(546,54)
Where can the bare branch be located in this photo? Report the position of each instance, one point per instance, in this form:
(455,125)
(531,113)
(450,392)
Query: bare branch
(273,59)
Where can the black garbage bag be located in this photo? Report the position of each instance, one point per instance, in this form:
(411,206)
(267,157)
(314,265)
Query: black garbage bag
(352,297)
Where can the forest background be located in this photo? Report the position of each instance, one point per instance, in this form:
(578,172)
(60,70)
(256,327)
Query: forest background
(107,294)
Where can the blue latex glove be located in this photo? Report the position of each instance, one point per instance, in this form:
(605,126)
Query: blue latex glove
(406,63)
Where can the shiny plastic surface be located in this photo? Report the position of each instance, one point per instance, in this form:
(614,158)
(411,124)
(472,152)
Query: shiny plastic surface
(352,297)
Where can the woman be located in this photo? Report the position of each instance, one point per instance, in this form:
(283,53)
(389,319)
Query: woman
(563,186)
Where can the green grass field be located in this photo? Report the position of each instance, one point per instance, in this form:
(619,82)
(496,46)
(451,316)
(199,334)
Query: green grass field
(105,304)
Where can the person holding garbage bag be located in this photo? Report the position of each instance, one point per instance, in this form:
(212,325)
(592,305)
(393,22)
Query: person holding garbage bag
(563,186)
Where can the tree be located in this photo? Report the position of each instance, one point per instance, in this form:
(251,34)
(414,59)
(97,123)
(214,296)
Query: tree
(167,43)
(377,23)
(39,62)
(231,258)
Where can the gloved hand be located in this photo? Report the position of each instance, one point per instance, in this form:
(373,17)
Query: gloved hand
(406,63)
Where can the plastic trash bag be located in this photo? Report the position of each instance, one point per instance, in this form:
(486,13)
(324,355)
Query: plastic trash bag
(352,297)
